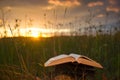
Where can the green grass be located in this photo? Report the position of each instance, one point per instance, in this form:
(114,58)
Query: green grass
(103,48)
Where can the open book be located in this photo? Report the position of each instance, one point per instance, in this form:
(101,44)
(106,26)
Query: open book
(80,59)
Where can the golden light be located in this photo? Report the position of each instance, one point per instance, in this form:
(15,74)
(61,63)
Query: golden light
(46,35)
(35,34)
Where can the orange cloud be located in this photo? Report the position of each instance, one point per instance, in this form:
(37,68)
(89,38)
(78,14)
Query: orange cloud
(93,4)
(100,15)
(7,8)
(48,7)
(66,3)
(113,9)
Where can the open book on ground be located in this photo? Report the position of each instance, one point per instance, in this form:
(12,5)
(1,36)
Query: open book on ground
(80,59)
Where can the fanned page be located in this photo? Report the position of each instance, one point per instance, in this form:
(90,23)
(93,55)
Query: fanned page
(59,60)
(75,56)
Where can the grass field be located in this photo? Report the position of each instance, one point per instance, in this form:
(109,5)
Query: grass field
(22,58)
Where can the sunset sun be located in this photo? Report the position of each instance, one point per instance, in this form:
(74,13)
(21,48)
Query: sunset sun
(35,34)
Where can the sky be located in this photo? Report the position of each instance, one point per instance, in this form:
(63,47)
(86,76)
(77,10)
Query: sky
(60,14)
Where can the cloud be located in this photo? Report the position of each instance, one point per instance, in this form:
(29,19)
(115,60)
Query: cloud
(112,9)
(48,7)
(66,3)
(114,6)
(100,15)
(93,4)
(8,8)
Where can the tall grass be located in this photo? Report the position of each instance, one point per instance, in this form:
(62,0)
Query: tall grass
(102,48)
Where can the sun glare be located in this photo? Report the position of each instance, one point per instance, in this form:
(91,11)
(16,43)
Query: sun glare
(46,35)
(35,34)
